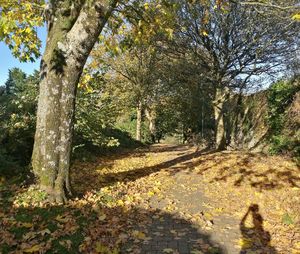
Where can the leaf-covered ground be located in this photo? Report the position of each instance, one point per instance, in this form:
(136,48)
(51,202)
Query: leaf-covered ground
(166,199)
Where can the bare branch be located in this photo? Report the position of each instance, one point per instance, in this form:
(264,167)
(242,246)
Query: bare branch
(269,5)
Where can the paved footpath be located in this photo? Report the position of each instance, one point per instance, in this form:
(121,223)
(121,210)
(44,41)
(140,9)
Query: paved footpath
(181,220)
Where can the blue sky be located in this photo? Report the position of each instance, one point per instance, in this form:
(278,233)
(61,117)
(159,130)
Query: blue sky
(8,61)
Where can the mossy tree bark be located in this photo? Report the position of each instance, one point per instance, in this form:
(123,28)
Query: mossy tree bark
(73,29)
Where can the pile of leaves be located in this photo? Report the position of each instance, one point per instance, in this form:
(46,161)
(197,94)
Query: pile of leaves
(99,221)
(234,181)
(119,197)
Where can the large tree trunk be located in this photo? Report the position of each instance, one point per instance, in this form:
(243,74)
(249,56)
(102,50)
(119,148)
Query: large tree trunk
(218,105)
(139,112)
(235,119)
(72,33)
(151,116)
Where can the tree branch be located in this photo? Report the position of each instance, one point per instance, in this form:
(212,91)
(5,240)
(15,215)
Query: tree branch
(268,5)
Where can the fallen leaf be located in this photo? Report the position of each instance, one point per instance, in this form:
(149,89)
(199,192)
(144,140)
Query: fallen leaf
(29,235)
(62,219)
(287,219)
(168,250)
(102,217)
(25,224)
(120,202)
(197,252)
(245,243)
(151,193)
(66,243)
(138,234)
(33,249)
(45,231)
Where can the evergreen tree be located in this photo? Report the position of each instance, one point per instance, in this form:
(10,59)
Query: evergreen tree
(16,80)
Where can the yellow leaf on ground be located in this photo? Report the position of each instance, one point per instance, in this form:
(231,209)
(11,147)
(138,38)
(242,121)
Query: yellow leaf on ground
(297,245)
(102,217)
(101,248)
(45,231)
(245,243)
(208,216)
(25,224)
(150,193)
(139,235)
(61,219)
(120,202)
(219,209)
(33,249)
(29,235)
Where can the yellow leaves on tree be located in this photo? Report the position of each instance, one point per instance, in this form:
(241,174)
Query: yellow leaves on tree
(204,33)
(140,26)
(84,83)
(18,24)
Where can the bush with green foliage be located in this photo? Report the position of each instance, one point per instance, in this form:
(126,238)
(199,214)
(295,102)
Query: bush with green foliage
(127,124)
(95,119)
(17,117)
(284,135)
(94,124)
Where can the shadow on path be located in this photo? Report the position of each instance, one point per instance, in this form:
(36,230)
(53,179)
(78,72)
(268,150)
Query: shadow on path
(255,238)
(255,170)
(167,232)
(162,148)
(81,227)
(132,175)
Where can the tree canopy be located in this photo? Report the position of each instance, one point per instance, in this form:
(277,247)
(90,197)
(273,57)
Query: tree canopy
(153,68)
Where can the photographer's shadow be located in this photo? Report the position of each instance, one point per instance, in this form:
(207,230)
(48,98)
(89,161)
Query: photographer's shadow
(255,238)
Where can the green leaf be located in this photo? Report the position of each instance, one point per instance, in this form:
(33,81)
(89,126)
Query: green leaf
(287,219)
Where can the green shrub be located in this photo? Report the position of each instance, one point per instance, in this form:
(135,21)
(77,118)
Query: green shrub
(17,117)
(284,136)
(94,126)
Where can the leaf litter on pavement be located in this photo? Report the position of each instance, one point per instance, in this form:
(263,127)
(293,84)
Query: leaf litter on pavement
(119,196)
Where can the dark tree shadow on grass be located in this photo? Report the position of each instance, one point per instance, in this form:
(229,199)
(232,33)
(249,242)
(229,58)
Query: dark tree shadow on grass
(132,175)
(162,148)
(240,169)
(93,227)
(267,178)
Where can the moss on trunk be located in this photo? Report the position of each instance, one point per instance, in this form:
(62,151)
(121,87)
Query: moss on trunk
(64,58)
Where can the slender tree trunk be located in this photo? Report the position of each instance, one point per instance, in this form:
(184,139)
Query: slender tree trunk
(72,34)
(151,116)
(235,118)
(240,114)
(139,111)
(218,105)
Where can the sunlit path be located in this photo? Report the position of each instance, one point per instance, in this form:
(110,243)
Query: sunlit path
(163,199)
